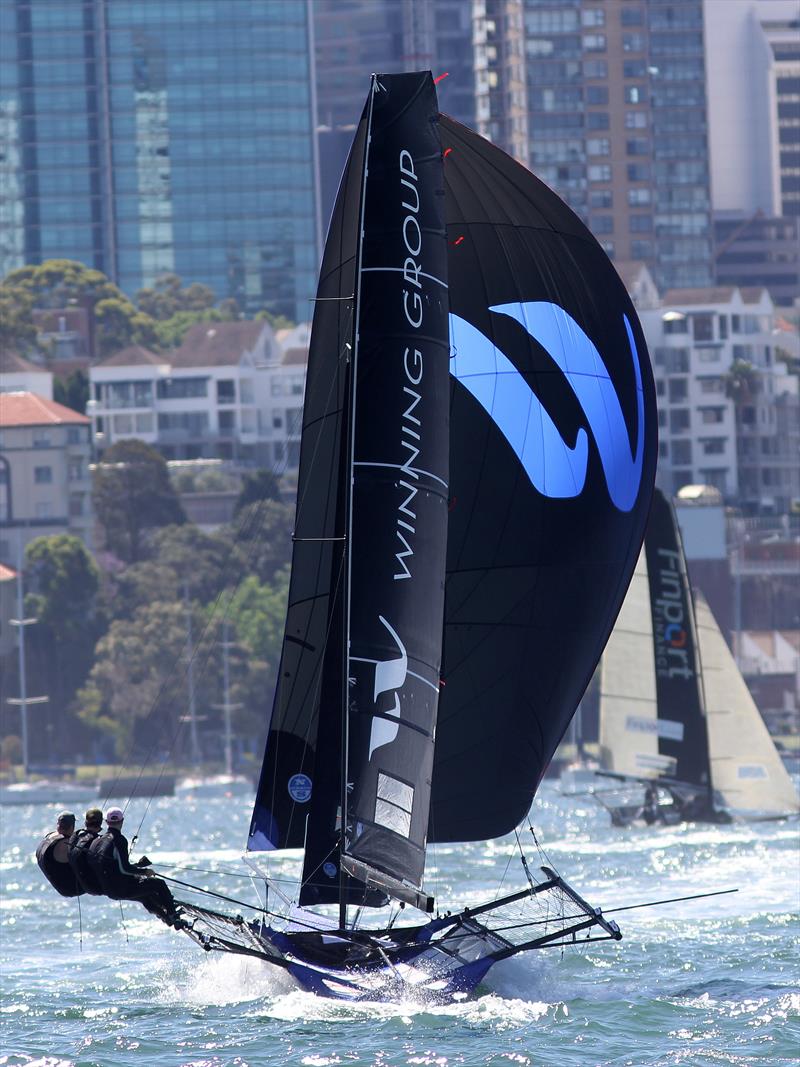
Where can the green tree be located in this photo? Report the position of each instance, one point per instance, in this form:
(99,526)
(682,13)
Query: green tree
(183,559)
(277,322)
(168,296)
(262,484)
(74,392)
(134,692)
(258,612)
(132,495)
(263,537)
(63,584)
(17,331)
(59,282)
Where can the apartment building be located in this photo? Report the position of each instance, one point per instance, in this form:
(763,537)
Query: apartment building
(729,414)
(44,472)
(19,375)
(231,391)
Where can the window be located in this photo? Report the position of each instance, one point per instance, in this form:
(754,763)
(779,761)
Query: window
(679,420)
(635,120)
(594,16)
(227,421)
(602,198)
(598,146)
(43,475)
(246,392)
(711,385)
(601,224)
(712,446)
(185,422)
(639,196)
(181,388)
(277,421)
(637,146)
(74,435)
(595,68)
(634,68)
(75,470)
(708,355)
(76,504)
(679,324)
(596,94)
(723,327)
(599,173)
(226,391)
(41,438)
(663,448)
(681,452)
(640,223)
(712,416)
(594,42)
(632,42)
(703,327)
(638,172)
(642,249)
(144,422)
(122,424)
(597,120)
(678,390)
(632,16)
(635,94)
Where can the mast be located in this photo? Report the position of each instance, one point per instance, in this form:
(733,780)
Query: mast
(353,361)
(195,746)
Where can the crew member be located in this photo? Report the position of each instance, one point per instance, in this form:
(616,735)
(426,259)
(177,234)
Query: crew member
(52,855)
(122,880)
(79,845)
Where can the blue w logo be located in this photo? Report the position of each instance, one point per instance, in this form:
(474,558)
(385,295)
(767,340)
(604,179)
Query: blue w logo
(555,469)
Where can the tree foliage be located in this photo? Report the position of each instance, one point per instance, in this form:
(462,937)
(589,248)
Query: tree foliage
(132,494)
(262,484)
(74,392)
(63,584)
(264,538)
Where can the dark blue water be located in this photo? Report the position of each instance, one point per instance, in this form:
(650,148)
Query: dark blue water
(703,983)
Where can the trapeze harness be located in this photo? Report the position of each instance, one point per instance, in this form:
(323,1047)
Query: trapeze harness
(60,875)
(79,845)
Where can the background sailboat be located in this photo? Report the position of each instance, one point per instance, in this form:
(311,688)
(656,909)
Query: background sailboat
(675,713)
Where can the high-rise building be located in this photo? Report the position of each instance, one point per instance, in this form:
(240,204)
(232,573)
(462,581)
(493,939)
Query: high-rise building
(753,71)
(151,136)
(356,38)
(614,117)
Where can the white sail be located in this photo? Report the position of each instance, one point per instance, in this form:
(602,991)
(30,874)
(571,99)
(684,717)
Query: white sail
(746,769)
(628,716)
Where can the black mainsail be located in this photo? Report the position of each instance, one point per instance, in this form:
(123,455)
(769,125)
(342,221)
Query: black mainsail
(553,450)
(680,724)
(364,621)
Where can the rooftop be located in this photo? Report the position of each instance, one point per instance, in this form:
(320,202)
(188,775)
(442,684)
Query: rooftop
(719,294)
(133,356)
(28,409)
(214,344)
(12,362)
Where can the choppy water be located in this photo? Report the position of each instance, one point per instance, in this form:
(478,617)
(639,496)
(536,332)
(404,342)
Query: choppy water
(703,983)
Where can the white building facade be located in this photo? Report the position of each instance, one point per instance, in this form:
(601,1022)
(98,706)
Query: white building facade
(729,414)
(231,391)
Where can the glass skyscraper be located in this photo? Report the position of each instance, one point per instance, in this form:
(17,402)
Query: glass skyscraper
(151,136)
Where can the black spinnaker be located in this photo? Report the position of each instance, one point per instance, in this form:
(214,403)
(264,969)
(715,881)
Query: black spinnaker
(553,451)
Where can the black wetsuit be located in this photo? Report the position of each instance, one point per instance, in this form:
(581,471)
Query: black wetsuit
(79,845)
(60,875)
(121,880)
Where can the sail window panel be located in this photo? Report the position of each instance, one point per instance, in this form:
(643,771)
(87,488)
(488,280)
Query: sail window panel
(393,804)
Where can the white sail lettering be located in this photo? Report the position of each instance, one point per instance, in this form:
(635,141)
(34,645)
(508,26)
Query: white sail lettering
(415,379)
(411,272)
(417,307)
(401,558)
(412,492)
(407,164)
(411,207)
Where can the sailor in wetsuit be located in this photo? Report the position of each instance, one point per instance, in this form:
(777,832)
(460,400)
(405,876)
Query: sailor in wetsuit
(79,845)
(52,855)
(122,880)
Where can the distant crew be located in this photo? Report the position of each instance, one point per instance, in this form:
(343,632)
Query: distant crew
(52,855)
(79,845)
(122,880)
